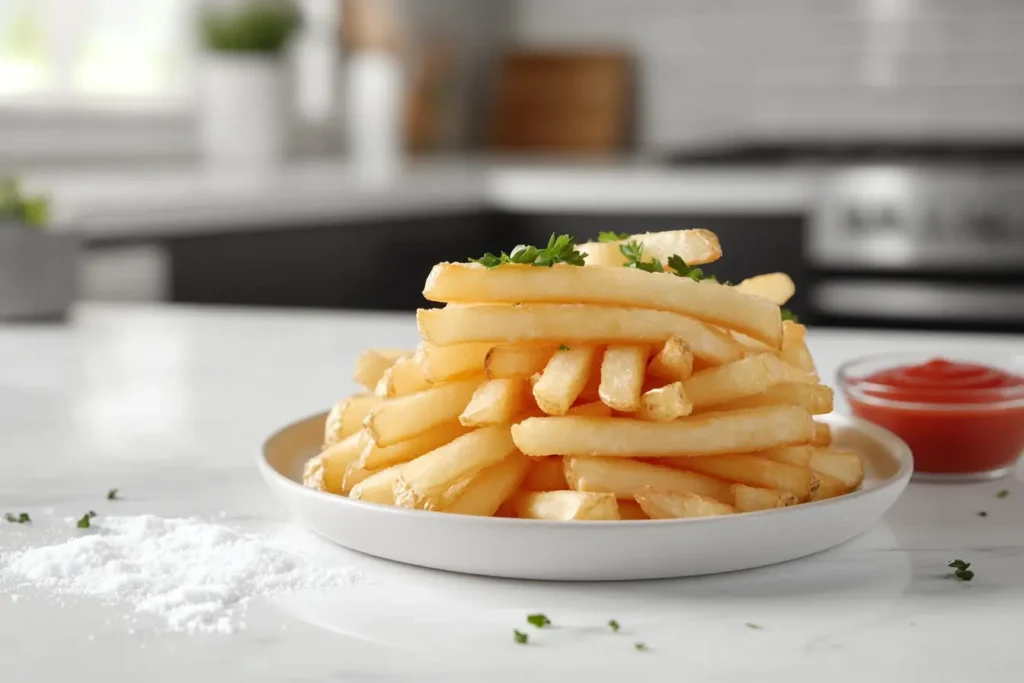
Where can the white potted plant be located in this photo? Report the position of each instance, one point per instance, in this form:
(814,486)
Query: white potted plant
(38,269)
(243,99)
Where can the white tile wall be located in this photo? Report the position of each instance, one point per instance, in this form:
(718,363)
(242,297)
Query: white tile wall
(786,69)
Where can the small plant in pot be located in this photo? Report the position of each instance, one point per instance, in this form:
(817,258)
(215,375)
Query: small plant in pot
(244,113)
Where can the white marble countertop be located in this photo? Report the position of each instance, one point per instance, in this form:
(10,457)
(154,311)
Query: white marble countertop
(170,405)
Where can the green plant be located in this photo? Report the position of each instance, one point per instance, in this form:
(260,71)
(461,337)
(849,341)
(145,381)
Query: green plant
(260,26)
(22,208)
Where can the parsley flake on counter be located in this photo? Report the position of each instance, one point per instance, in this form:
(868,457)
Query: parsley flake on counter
(560,249)
(610,236)
(1003,494)
(20,518)
(520,637)
(614,626)
(538,620)
(85,521)
(961,570)
(112,494)
(640,647)
(563,347)
(753,626)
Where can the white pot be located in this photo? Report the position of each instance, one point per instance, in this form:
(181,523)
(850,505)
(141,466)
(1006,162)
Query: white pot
(38,272)
(243,100)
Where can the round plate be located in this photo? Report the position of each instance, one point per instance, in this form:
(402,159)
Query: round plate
(590,551)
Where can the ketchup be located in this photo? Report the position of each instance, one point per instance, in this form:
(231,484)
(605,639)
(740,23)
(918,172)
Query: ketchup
(957,418)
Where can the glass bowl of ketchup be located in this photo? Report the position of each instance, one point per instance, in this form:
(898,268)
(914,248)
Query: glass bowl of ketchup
(963,417)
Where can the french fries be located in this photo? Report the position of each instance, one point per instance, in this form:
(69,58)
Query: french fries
(378,488)
(622,377)
(407,416)
(346,417)
(665,404)
(335,459)
(445,363)
(573,324)
(739,431)
(828,487)
(566,506)
(753,470)
(794,347)
(546,474)
(776,287)
(375,457)
(846,466)
(696,247)
(354,474)
(313,473)
(515,360)
(625,477)
(822,434)
(752,498)
(740,379)
(563,379)
(630,509)
(659,504)
(816,399)
(673,362)
(370,366)
(592,409)
(489,488)
(496,401)
(402,378)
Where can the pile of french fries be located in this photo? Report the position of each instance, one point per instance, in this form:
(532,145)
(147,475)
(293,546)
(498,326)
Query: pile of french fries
(591,392)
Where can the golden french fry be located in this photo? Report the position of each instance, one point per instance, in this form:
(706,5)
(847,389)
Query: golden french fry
(313,473)
(403,378)
(738,431)
(622,377)
(665,403)
(375,457)
(753,498)
(822,435)
(631,510)
(346,417)
(379,487)
(751,346)
(707,301)
(753,470)
(354,474)
(625,477)
(546,474)
(573,324)
(660,504)
(794,347)
(496,401)
(372,363)
(592,409)
(563,378)
(516,360)
(792,455)
(446,363)
(489,488)
(846,466)
(814,398)
(775,287)
(829,487)
(696,247)
(426,482)
(566,506)
(742,378)
(404,417)
(673,362)
(336,459)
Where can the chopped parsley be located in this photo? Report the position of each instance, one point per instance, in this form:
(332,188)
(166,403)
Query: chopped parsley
(633,252)
(961,570)
(561,249)
(520,637)
(610,236)
(640,647)
(755,627)
(1003,494)
(112,494)
(614,626)
(563,347)
(789,315)
(983,514)
(538,620)
(20,518)
(85,521)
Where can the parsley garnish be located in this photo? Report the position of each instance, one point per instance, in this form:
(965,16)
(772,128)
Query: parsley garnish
(983,514)
(563,347)
(1003,494)
(752,625)
(538,620)
(640,647)
(962,572)
(633,251)
(520,637)
(561,249)
(789,315)
(112,494)
(614,626)
(84,522)
(609,236)
(20,518)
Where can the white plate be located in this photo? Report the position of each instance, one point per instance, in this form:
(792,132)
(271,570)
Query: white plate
(590,551)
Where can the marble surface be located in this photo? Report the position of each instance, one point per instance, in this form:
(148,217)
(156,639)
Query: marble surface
(170,405)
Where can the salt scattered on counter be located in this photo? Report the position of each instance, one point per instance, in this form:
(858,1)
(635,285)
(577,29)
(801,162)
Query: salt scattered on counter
(196,576)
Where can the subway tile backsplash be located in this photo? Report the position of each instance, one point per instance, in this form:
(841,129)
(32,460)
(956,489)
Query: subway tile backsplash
(783,70)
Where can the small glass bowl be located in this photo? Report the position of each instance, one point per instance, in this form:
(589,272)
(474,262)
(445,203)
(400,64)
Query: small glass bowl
(956,434)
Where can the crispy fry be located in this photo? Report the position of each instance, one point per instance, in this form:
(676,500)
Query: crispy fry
(573,324)
(696,247)
(446,363)
(660,504)
(565,506)
(665,404)
(846,466)
(546,474)
(625,477)
(822,435)
(814,398)
(622,377)
(829,487)
(707,301)
(673,362)
(738,431)
(563,378)
(792,455)
(753,470)
(379,487)
(404,417)
(375,457)
(490,487)
(403,378)
(592,409)
(496,401)
(775,287)
(794,347)
(354,474)
(742,378)
(631,510)
(335,461)
(516,360)
(753,498)
(372,363)
(313,473)
(346,417)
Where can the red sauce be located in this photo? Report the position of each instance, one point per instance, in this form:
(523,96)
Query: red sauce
(957,418)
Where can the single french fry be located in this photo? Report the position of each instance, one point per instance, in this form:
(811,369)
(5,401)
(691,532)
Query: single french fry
(354,474)
(446,363)
(664,404)
(673,362)
(489,488)
(313,473)
(751,346)
(566,506)
(513,283)
(372,363)
(375,457)
(625,477)
(592,409)
(573,324)
(346,417)
(631,510)
(753,498)
(753,470)
(696,247)
(336,459)
(660,504)
(792,455)
(426,482)
(403,378)
(563,379)
(817,399)
(822,434)
(546,474)
(516,360)
(622,377)
(379,487)
(496,401)
(739,431)
(775,287)
(794,347)
(404,417)
(829,487)
(742,378)
(846,466)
